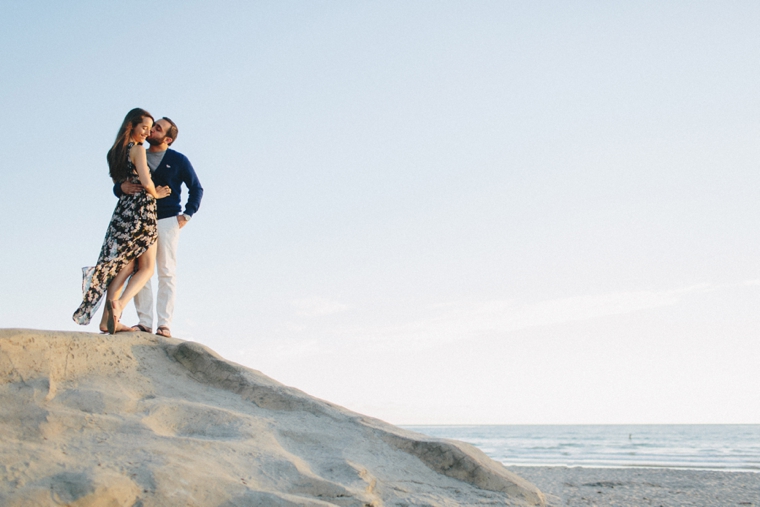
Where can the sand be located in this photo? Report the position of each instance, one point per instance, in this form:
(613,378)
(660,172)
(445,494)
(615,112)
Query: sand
(137,420)
(638,487)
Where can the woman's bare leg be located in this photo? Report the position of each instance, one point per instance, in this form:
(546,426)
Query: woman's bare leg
(146,265)
(115,288)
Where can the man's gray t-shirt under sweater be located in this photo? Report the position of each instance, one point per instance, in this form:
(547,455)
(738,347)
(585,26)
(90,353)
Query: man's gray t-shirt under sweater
(154,158)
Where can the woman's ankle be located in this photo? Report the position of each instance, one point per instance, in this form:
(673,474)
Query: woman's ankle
(118,308)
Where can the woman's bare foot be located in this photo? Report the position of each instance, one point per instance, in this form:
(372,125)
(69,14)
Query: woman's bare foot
(103,326)
(118,328)
(117,309)
(113,313)
(121,328)
(110,316)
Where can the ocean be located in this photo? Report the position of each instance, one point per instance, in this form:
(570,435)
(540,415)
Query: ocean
(722,447)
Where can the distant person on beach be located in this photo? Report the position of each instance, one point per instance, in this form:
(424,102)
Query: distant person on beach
(129,248)
(170,168)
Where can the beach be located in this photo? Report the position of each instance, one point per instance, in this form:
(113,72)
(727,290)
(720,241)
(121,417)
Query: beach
(139,419)
(636,487)
(625,465)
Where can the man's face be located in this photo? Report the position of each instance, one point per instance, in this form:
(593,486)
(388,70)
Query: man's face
(158,132)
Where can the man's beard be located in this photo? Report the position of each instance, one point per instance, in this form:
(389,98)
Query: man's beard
(155,142)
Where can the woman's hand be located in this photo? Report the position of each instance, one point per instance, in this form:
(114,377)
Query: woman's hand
(162,192)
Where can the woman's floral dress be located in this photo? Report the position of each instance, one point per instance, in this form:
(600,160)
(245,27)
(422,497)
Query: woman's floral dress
(131,231)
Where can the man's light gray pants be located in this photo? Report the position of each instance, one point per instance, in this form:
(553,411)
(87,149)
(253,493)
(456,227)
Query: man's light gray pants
(166,265)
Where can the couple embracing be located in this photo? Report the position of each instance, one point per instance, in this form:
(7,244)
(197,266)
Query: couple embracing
(144,230)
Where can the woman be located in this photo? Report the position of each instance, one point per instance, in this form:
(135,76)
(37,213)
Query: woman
(129,249)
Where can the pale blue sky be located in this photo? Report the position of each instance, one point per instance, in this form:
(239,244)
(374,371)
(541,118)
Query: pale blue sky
(430,212)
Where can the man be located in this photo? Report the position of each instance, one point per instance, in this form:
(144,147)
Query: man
(171,168)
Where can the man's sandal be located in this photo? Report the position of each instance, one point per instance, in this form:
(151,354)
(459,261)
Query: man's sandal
(140,327)
(163,331)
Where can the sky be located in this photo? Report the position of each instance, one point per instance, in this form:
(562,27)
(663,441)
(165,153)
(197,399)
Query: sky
(482,212)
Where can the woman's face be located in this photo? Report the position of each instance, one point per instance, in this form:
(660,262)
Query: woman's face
(142,130)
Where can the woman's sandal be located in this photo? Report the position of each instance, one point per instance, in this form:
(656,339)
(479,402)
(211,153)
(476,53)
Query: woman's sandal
(163,331)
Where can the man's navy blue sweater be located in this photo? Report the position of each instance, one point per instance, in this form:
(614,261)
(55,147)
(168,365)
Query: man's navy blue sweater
(174,170)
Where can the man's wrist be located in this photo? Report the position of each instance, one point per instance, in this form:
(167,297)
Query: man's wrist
(186,216)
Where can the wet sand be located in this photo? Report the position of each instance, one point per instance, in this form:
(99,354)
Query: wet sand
(638,487)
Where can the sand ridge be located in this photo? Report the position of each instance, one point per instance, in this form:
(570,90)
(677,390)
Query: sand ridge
(139,420)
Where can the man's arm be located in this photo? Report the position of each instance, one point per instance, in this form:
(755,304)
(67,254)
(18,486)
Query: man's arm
(194,188)
(126,188)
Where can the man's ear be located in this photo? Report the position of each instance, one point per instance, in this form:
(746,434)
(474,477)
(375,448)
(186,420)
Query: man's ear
(168,140)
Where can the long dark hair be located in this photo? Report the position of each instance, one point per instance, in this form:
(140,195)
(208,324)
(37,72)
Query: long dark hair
(118,156)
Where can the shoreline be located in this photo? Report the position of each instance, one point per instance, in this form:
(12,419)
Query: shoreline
(637,487)
(639,467)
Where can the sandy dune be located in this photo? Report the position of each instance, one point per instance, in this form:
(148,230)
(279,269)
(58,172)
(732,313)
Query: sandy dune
(140,421)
